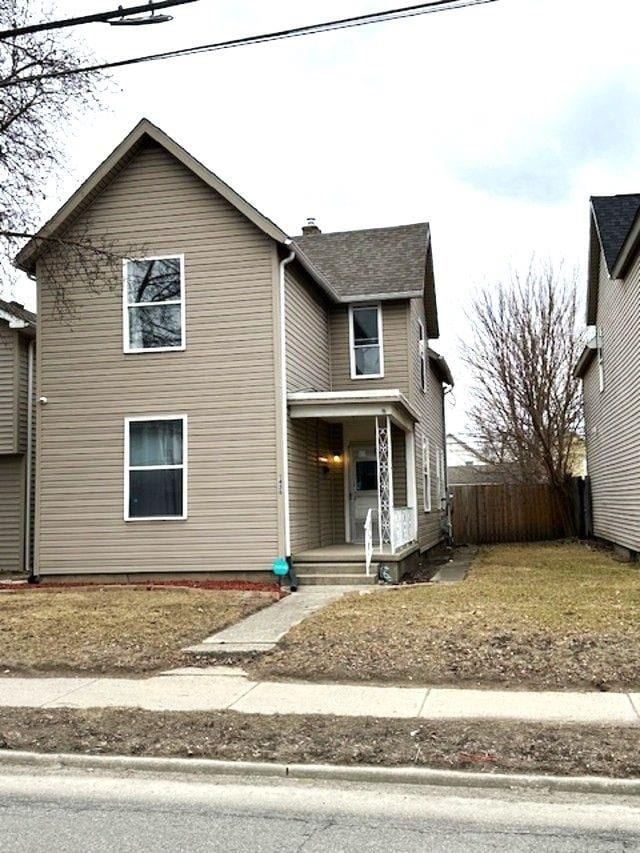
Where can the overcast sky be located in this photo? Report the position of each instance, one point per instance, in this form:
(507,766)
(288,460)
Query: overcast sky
(494,123)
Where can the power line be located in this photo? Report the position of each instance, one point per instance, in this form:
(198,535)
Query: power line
(294,32)
(97,17)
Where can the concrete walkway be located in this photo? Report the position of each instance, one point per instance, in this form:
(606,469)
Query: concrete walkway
(261,631)
(227,688)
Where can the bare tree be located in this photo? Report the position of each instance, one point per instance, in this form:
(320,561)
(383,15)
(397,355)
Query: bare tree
(35,117)
(526,409)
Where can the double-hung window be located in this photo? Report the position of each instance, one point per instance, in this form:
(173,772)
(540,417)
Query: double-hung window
(441,475)
(153,308)
(426,474)
(422,355)
(365,338)
(155,475)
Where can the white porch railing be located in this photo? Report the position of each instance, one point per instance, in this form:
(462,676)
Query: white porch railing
(403,527)
(368,540)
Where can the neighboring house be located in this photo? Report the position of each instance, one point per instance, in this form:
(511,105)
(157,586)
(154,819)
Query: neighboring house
(232,396)
(17,346)
(467,466)
(610,369)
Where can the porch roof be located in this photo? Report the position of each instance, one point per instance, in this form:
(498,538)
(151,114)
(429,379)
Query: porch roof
(336,405)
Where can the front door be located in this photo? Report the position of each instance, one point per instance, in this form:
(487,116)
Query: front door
(363,488)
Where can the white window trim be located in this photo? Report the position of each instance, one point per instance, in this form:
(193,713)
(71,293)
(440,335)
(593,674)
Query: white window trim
(184,466)
(352,352)
(426,474)
(126,347)
(422,355)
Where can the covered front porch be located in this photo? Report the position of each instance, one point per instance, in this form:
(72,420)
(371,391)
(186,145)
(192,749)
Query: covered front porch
(352,481)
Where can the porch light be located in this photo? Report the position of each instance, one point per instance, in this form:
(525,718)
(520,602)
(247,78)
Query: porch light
(337,458)
(323,459)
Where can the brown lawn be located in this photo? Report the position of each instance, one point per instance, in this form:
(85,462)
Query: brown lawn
(542,616)
(112,629)
(449,744)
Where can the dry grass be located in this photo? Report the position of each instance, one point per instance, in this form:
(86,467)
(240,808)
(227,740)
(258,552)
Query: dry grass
(552,615)
(450,744)
(108,629)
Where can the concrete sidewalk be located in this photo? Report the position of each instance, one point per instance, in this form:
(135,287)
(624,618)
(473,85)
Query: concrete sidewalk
(262,630)
(227,688)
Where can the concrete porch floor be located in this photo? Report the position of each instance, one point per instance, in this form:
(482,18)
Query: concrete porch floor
(348,552)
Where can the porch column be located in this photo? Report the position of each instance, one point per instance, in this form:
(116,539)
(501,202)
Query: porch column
(385,481)
(412,492)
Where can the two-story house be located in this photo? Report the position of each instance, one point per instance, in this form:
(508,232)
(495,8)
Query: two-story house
(610,370)
(233,395)
(17,433)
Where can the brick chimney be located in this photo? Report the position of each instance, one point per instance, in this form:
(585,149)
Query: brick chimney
(310,228)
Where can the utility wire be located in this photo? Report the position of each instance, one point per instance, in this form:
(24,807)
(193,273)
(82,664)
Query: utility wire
(294,32)
(97,17)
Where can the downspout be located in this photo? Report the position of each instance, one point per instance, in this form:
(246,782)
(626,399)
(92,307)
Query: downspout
(28,560)
(284,479)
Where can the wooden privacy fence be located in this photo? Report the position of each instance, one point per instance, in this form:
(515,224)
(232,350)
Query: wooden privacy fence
(504,512)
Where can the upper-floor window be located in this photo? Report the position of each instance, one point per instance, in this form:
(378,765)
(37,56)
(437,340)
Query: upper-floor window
(422,355)
(365,338)
(154,304)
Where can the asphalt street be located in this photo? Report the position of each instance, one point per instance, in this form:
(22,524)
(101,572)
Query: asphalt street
(74,811)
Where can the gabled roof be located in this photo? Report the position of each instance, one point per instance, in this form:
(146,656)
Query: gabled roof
(16,314)
(614,215)
(118,158)
(376,263)
(380,263)
(615,231)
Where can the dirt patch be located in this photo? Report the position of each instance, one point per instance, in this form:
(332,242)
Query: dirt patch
(114,630)
(543,616)
(469,745)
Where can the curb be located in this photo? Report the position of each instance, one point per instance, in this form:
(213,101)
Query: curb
(388,775)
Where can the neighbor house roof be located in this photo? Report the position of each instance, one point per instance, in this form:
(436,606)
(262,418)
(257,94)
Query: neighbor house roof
(14,311)
(380,263)
(614,215)
(615,229)
(376,263)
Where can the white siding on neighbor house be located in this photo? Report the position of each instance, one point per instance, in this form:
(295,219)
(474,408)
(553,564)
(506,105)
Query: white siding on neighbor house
(11,512)
(308,341)
(613,415)
(225,382)
(429,404)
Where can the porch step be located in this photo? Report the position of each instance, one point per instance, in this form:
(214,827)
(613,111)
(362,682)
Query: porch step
(360,579)
(331,568)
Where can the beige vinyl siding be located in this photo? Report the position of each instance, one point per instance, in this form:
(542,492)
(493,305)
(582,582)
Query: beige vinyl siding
(399,466)
(316,488)
(613,416)
(11,512)
(429,404)
(8,388)
(23,392)
(394,333)
(308,343)
(224,382)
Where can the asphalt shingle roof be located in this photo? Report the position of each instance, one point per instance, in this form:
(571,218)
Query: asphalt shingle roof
(615,215)
(372,262)
(18,311)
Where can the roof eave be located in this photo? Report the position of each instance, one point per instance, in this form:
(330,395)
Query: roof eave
(441,367)
(586,357)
